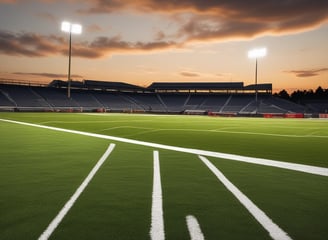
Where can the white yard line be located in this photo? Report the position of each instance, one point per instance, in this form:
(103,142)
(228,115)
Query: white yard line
(122,127)
(56,221)
(261,161)
(157,220)
(272,134)
(241,132)
(194,228)
(274,230)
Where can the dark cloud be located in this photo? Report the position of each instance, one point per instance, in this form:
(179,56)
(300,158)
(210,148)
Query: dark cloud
(204,29)
(7,1)
(307,73)
(103,46)
(29,44)
(251,10)
(47,16)
(34,45)
(48,75)
(94,28)
(160,35)
(226,19)
(196,20)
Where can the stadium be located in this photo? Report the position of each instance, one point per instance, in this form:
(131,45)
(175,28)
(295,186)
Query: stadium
(170,161)
(212,98)
(163,120)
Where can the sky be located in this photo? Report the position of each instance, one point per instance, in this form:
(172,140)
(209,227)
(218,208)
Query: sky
(146,41)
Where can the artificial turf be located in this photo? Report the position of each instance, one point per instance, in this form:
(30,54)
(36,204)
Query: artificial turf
(41,169)
(292,140)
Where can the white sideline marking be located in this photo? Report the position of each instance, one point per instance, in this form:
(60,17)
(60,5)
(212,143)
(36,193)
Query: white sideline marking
(55,222)
(157,220)
(274,230)
(261,161)
(194,228)
(311,135)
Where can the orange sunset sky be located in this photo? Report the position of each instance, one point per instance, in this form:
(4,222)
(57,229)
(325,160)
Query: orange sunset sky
(145,41)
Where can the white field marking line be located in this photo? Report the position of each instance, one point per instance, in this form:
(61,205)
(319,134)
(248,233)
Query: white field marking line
(222,131)
(157,220)
(194,229)
(261,161)
(130,115)
(274,230)
(246,133)
(56,221)
(81,122)
(141,133)
(128,127)
(273,134)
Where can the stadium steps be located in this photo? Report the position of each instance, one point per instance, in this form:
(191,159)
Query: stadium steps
(187,100)
(138,105)
(97,101)
(42,102)
(249,108)
(8,98)
(162,102)
(225,104)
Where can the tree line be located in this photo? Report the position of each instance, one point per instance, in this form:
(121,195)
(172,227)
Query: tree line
(303,96)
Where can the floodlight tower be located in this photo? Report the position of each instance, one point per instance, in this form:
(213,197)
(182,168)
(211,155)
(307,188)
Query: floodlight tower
(256,53)
(75,29)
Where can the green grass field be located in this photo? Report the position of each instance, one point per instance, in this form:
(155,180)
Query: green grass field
(42,168)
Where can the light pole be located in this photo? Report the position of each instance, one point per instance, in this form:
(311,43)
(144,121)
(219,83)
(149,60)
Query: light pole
(75,29)
(256,53)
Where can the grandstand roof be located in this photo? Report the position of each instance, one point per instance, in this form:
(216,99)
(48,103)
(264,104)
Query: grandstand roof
(164,86)
(262,86)
(92,84)
(196,86)
(61,83)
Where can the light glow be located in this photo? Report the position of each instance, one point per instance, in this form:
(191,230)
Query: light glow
(72,28)
(257,52)
(66,27)
(76,28)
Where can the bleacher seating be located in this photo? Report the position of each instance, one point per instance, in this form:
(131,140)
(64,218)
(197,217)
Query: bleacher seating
(284,104)
(4,101)
(147,101)
(56,97)
(236,103)
(130,98)
(86,99)
(113,101)
(194,101)
(214,102)
(318,107)
(174,102)
(23,96)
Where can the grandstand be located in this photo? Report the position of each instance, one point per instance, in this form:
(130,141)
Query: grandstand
(219,98)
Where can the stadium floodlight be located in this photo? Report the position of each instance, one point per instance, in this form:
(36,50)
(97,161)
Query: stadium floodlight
(256,53)
(75,29)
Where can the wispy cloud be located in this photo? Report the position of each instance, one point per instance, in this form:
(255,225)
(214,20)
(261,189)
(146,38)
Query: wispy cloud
(47,75)
(189,74)
(307,73)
